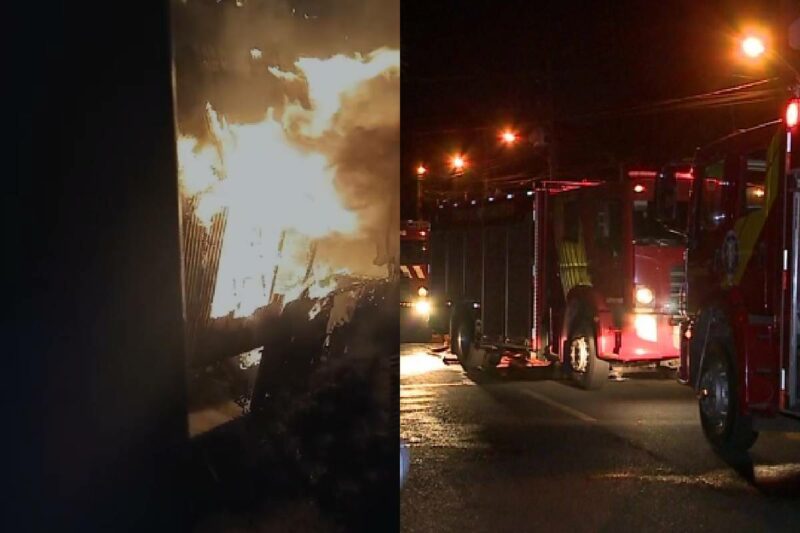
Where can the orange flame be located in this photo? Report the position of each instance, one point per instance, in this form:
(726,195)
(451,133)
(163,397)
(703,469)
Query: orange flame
(277,188)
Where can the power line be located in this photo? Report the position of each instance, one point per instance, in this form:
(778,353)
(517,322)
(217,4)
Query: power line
(727,96)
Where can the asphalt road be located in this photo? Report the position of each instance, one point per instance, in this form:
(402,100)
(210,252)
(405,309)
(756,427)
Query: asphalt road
(532,453)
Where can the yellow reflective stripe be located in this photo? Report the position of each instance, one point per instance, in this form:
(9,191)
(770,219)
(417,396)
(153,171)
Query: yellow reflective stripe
(572,260)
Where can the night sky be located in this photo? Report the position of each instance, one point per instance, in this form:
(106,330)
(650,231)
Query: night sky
(471,68)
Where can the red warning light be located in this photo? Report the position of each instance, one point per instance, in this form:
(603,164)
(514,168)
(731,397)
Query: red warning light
(642,174)
(792,113)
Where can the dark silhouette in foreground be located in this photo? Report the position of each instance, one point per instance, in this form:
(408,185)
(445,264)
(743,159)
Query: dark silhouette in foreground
(323,425)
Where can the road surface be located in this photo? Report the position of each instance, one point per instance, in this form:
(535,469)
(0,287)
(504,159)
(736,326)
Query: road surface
(537,454)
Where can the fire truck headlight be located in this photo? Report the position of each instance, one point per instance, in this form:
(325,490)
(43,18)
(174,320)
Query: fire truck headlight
(646,327)
(422,307)
(644,295)
(423,292)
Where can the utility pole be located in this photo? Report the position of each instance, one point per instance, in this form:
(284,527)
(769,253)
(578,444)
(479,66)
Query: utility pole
(419,197)
(421,172)
(551,142)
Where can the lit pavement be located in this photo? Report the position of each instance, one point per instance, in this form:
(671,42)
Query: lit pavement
(536,454)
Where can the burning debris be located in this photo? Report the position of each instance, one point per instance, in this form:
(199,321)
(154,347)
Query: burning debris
(250,359)
(323,431)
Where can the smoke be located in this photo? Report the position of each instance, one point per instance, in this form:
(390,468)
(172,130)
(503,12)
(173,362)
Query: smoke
(329,73)
(365,151)
(213,41)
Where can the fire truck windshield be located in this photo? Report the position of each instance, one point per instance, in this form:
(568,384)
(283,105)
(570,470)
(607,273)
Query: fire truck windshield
(648,229)
(413,252)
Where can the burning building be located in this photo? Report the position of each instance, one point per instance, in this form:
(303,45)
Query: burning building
(289,169)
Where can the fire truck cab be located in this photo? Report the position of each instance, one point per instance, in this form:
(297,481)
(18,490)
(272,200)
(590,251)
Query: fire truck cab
(415,306)
(740,338)
(587,274)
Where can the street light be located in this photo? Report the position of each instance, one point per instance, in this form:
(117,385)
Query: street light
(421,170)
(508,137)
(753,46)
(756,47)
(458,162)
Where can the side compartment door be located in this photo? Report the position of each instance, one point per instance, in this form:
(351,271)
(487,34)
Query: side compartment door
(754,243)
(791,302)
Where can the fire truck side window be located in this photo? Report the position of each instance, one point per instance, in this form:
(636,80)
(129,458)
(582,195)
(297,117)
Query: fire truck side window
(712,197)
(413,252)
(608,230)
(755,172)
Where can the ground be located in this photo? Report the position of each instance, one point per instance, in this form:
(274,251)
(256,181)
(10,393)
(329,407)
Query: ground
(533,453)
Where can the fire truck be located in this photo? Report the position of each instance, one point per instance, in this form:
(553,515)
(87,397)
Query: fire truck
(584,274)
(414,302)
(741,332)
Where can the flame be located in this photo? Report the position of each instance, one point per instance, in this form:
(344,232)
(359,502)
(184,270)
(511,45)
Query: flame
(277,187)
(331,79)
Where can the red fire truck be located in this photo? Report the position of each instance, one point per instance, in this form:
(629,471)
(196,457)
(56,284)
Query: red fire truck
(742,327)
(584,273)
(414,302)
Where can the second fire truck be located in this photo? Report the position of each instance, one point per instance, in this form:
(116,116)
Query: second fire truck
(414,301)
(742,328)
(586,273)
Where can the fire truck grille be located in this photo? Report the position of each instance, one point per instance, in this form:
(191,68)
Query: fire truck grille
(677,277)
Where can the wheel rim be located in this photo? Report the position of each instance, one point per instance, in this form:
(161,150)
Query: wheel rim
(579,354)
(715,400)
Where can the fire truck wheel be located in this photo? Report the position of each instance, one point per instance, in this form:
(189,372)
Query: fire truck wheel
(581,360)
(728,431)
(463,340)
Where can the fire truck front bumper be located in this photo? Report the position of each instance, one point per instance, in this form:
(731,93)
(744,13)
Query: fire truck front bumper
(643,337)
(415,318)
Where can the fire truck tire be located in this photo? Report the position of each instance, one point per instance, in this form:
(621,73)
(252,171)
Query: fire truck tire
(595,372)
(729,432)
(463,340)
(454,325)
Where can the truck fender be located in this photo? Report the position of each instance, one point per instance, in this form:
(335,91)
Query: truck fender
(714,321)
(582,301)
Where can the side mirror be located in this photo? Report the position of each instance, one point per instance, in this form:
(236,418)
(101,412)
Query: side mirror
(666,195)
(691,242)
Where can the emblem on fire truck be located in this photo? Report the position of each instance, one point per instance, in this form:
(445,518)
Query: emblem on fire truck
(730,255)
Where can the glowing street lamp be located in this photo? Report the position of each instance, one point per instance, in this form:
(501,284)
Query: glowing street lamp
(753,47)
(458,162)
(508,137)
(421,170)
